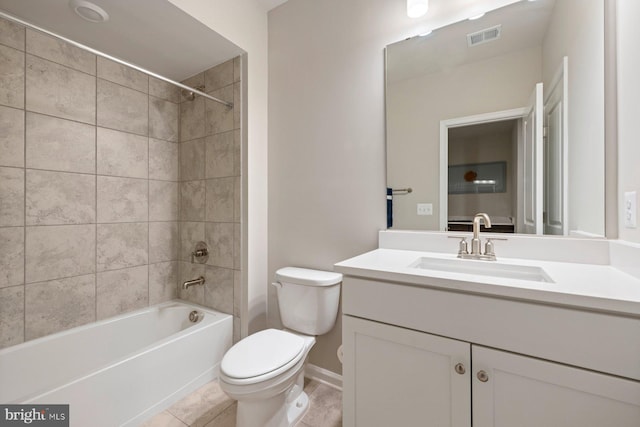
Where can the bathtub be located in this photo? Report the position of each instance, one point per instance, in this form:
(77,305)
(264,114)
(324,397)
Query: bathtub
(122,370)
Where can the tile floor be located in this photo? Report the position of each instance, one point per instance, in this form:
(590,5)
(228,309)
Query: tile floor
(209,406)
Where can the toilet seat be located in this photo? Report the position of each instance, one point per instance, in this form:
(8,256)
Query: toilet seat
(262,356)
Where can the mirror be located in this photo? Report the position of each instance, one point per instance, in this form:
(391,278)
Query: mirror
(502,114)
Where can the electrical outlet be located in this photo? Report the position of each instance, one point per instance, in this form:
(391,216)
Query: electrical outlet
(425,209)
(630,209)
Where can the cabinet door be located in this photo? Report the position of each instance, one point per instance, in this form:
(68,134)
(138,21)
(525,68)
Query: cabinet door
(526,392)
(399,377)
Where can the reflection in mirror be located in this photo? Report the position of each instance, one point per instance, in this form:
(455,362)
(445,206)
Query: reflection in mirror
(516,97)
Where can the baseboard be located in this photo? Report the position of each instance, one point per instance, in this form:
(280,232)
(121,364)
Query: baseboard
(323,376)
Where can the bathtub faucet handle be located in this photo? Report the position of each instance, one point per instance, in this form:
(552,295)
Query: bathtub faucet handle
(201,253)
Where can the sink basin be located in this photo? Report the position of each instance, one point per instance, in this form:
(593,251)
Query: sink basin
(484,268)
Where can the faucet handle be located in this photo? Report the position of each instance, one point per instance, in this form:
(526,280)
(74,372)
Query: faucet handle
(463,248)
(488,246)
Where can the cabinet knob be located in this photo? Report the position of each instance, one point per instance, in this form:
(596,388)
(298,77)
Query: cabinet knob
(460,368)
(483,376)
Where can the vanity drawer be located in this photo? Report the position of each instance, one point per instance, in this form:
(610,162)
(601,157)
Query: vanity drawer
(593,340)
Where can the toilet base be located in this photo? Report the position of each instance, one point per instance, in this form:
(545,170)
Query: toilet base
(282,410)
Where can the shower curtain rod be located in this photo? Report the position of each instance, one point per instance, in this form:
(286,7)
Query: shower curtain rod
(112,58)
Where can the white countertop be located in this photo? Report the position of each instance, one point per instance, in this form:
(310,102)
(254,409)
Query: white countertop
(584,286)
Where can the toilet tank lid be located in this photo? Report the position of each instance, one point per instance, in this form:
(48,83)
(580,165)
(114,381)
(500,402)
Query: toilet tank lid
(308,277)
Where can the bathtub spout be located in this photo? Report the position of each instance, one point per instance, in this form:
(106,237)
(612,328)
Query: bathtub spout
(189,283)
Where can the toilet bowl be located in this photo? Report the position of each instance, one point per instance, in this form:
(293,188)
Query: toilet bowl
(264,372)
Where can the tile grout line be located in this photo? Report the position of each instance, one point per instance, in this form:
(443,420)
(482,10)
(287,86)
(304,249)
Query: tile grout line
(24,196)
(148,192)
(95,171)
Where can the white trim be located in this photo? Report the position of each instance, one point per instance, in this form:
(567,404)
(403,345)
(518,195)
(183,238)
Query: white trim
(496,116)
(579,233)
(323,376)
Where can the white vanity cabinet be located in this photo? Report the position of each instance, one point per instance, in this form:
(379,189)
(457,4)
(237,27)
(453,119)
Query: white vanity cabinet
(419,356)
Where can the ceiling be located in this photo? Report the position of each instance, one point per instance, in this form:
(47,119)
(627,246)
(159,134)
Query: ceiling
(270,4)
(524,25)
(153,34)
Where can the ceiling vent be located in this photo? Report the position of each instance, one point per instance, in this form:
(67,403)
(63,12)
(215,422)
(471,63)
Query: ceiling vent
(484,36)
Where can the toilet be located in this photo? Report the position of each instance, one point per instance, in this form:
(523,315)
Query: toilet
(264,372)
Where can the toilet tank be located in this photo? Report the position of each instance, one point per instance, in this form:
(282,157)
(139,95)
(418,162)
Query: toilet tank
(308,299)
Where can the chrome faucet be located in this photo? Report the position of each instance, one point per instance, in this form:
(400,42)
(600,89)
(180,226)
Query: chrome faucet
(476,243)
(189,283)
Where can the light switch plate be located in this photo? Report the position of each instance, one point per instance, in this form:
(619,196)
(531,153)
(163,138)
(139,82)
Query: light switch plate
(630,209)
(425,208)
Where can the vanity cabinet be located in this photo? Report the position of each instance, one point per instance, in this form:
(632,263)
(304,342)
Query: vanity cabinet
(415,357)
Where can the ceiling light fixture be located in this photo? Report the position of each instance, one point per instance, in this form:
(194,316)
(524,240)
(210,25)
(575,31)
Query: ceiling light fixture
(417,8)
(88,11)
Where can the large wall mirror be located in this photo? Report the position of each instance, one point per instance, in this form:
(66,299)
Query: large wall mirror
(503,114)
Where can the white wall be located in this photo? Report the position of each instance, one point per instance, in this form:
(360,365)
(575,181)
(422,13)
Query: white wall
(576,30)
(628,33)
(327,131)
(244,23)
(416,107)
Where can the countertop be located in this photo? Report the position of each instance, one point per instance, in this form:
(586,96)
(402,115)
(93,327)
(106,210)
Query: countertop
(582,286)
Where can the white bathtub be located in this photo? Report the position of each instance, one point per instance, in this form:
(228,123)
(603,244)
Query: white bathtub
(122,370)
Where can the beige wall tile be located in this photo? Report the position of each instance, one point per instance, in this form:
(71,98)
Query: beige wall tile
(163,282)
(121,291)
(122,108)
(12,34)
(220,193)
(11,137)
(11,316)
(237,199)
(164,90)
(237,292)
(60,91)
(192,121)
(122,75)
(163,201)
(163,160)
(237,69)
(237,100)
(122,245)
(188,271)
(163,119)
(58,144)
(192,160)
(122,154)
(190,234)
(11,197)
(11,256)
(59,251)
(218,289)
(237,246)
(219,76)
(60,52)
(237,153)
(219,118)
(11,77)
(55,198)
(220,155)
(57,305)
(122,199)
(163,241)
(192,196)
(219,237)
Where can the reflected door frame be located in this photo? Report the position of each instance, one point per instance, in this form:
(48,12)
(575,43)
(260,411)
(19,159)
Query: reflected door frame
(445,125)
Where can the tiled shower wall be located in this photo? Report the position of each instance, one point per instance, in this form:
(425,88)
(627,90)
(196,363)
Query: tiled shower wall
(210,173)
(89,191)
